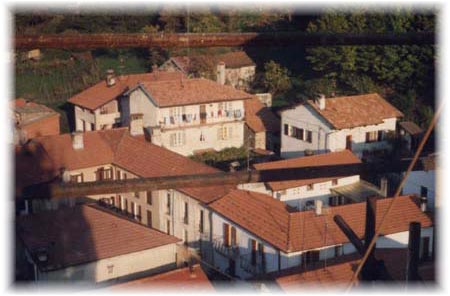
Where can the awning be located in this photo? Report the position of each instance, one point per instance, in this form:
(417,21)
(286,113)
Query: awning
(358,192)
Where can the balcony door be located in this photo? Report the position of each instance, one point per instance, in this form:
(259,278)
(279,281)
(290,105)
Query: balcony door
(348,142)
(202,113)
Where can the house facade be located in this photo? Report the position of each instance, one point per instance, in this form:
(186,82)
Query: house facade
(303,194)
(187,115)
(362,124)
(269,238)
(73,245)
(98,107)
(116,155)
(234,68)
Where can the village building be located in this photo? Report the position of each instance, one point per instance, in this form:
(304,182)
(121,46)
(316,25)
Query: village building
(262,129)
(337,273)
(33,120)
(303,194)
(116,155)
(234,68)
(187,279)
(362,124)
(187,116)
(85,244)
(98,107)
(254,234)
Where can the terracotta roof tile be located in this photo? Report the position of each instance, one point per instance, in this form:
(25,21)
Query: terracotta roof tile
(332,158)
(84,234)
(42,159)
(259,118)
(191,91)
(339,271)
(235,59)
(270,220)
(100,94)
(353,111)
(179,279)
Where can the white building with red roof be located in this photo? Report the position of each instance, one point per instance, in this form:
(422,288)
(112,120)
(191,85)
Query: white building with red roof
(254,234)
(361,123)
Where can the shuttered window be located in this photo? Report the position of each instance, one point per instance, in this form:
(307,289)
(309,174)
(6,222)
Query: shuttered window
(226,234)
(177,139)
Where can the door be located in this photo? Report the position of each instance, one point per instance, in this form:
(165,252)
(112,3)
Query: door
(202,113)
(232,267)
(348,142)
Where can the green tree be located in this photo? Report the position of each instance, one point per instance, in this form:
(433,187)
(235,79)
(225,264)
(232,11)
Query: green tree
(276,78)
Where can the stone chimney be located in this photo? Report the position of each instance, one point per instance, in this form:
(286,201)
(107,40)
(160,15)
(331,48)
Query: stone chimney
(77,141)
(221,73)
(318,207)
(110,78)
(136,124)
(321,101)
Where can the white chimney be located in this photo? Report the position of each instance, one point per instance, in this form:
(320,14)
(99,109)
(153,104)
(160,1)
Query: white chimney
(384,186)
(155,136)
(321,101)
(136,124)
(221,73)
(110,78)
(77,141)
(318,207)
(423,204)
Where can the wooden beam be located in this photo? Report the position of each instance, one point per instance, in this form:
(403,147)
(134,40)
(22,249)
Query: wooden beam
(171,40)
(57,189)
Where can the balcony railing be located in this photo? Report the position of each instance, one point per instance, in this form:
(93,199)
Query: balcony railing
(229,251)
(254,267)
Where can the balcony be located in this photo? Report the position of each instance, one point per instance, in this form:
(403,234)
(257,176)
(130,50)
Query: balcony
(225,250)
(255,268)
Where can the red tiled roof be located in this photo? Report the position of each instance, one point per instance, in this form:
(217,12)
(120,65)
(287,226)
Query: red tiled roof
(339,271)
(259,118)
(100,94)
(179,279)
(332,158)
(353,111)
(191,91)
(42,159)
(84,234)
(269,219)
(235,59)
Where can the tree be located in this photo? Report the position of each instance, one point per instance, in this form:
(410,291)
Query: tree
(276,78)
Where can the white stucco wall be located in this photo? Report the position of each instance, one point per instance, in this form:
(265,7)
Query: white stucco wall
(427,179)
(324,138)
(151,260)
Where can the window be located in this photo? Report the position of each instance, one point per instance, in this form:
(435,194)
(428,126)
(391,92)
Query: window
(310,257)
(233,236)
(298,133)
(423,191)
(336,200)
(185,237)
(110,268)
(125,176)
(139,213)
(117,175)
(103,110)
(201,222)
(224,133)
(371,137)
(309,204)
(310,187)
(338,251)
(113,200)
(78,178)
(168,226)
(177,139)
(186,213)
(149,198)
(149,218)
(168,202)
(103,174)
(286,129)
(136,194)
(309,136)
(253,244)
(380,135)
(334,182)
(132,210)
(226,234)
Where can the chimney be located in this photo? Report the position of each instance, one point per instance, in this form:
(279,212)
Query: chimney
(423,203)
(384,186)
(221,73)
(136,124)
(110,78)
(321,101)
(318,207)
(77,141)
